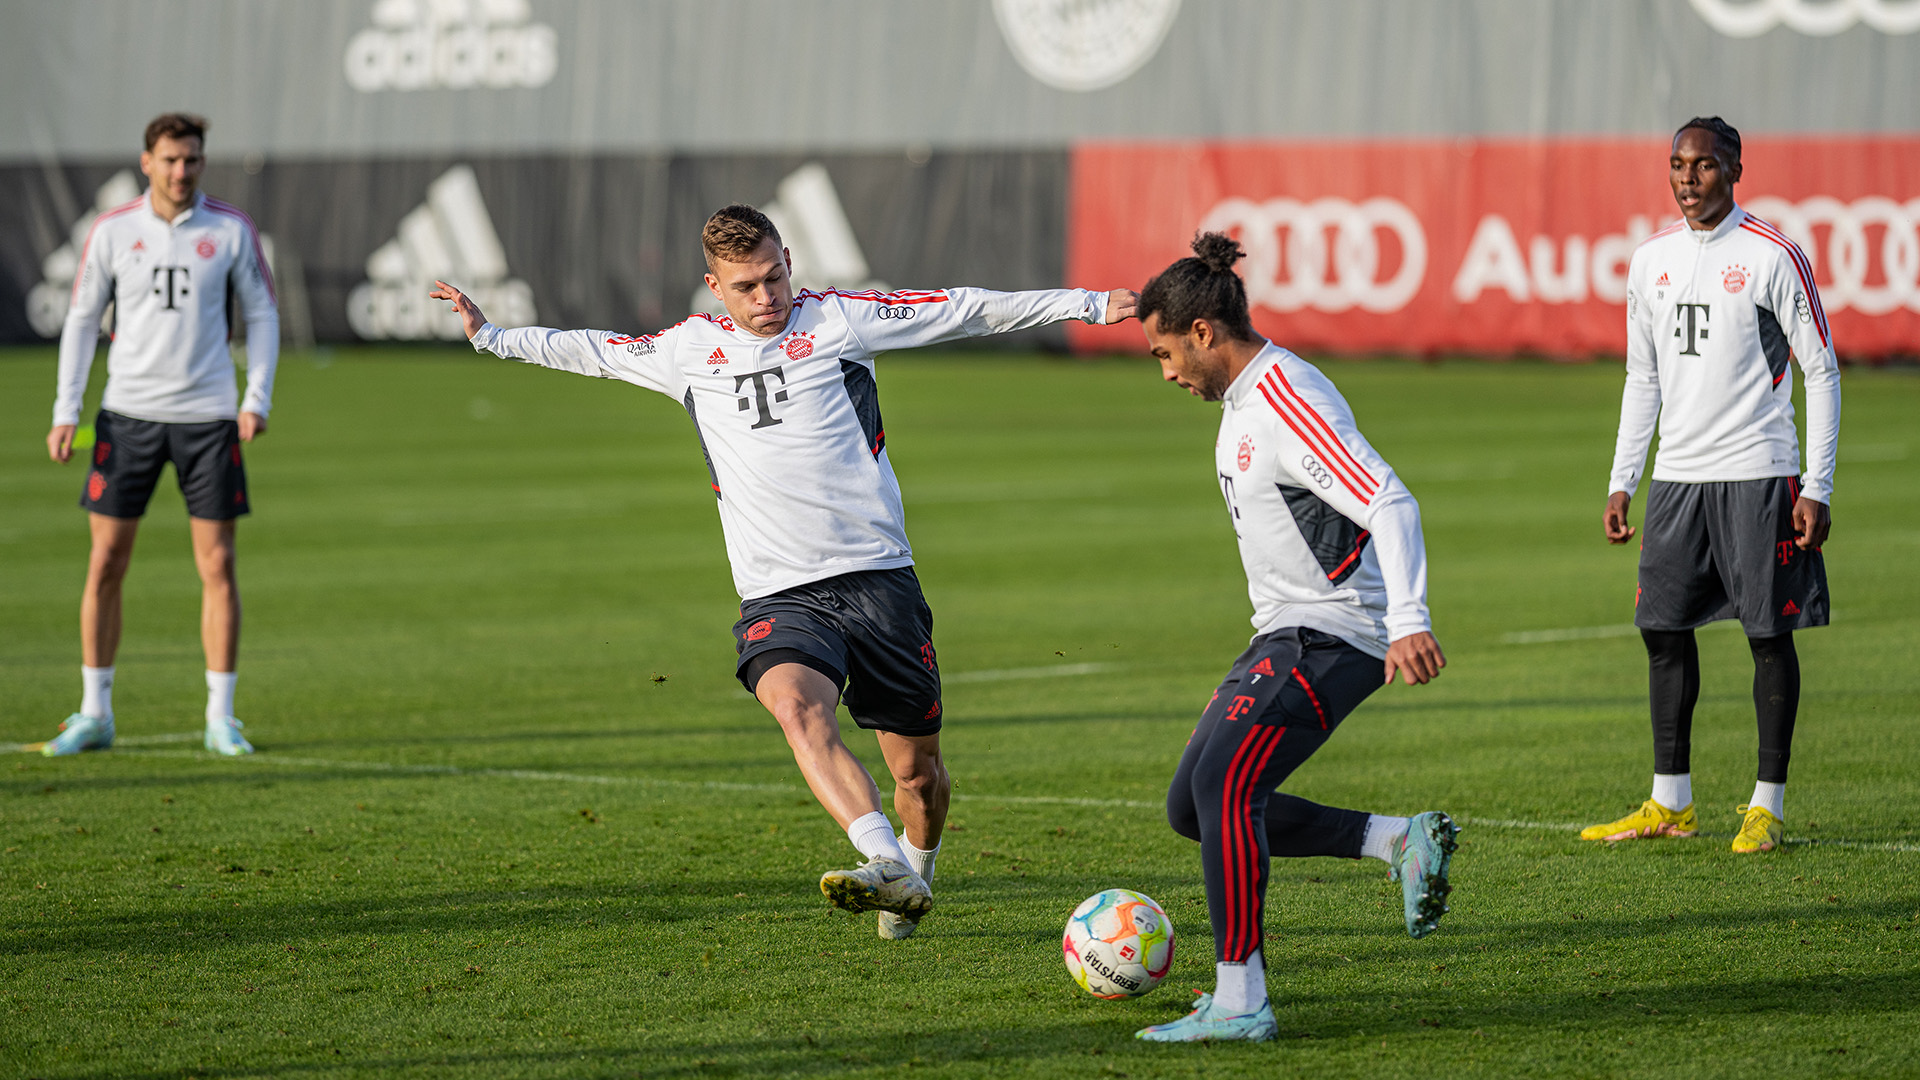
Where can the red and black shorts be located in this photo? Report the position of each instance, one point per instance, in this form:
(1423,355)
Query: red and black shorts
(129,454)
(869,631)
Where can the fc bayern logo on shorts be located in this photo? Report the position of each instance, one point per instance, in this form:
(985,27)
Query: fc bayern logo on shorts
(96,486)
(1735,278)
(760,630)
(205,248)
(1245,457)
(799,346)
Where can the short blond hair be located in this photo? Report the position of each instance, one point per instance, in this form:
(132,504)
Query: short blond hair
(735,232)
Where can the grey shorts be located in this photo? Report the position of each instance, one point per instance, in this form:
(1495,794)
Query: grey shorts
(1726,551)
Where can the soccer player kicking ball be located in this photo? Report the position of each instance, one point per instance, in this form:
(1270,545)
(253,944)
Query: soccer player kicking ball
(781,393)
(1717,305)
(1336,569)
(166,262)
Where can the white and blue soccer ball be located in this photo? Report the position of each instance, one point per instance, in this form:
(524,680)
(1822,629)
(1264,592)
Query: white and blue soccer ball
(1118,944)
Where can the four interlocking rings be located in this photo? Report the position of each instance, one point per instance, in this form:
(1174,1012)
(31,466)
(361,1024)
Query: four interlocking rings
(1820,18)
(1846,255)
(1325,277)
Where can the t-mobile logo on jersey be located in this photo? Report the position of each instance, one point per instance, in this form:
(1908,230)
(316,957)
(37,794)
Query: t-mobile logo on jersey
(170,282)
(760,396)
(1692,325)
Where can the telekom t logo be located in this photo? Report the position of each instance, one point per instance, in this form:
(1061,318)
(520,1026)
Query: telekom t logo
(1242,704)
(759,399)
(1693,319)
(171,282)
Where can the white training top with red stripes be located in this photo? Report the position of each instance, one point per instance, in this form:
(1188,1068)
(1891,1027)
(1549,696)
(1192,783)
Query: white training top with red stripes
(168,283)
(1329,536)
(1712,318)
(790,424)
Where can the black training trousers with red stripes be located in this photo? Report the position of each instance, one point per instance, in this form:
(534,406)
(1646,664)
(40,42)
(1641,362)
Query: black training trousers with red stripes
(1282,701)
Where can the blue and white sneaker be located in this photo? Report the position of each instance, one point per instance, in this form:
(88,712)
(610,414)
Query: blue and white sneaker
(80,732)
(223,737)
(1207,1024)
(1420,866)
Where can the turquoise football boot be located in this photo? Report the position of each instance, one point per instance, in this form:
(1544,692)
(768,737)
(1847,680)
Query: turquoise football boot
(1207,1024)
(79,732)
(223,737)
(1420,866)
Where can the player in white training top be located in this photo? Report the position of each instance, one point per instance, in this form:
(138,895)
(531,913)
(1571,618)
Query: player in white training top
(1717,305)
(167,262)
(781,393)
(1337,572)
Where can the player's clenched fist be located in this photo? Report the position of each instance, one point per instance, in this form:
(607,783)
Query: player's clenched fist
(471,317)
(1122,304)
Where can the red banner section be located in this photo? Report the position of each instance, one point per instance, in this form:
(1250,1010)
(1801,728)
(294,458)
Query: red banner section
(1481,247)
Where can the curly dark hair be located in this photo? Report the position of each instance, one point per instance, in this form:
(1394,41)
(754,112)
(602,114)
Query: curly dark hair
(1723,133)
(1201,286)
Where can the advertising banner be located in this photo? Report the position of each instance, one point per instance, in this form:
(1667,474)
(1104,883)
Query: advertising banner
(1483,246)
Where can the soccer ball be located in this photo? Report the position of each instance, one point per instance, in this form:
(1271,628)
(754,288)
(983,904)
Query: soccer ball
(1118,944)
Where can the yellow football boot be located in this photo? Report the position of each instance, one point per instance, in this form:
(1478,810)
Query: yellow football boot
(1649,821)
(1760,832)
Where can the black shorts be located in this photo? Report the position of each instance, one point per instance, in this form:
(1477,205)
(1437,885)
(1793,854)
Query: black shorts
(128,455)
(1727,551)
(871,631)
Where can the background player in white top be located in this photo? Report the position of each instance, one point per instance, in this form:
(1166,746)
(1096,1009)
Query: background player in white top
(1717,303)
(782,396)
(1336,569)
(166,262)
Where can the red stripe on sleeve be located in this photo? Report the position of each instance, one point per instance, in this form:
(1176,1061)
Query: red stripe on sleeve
(1801,267)
(1313,443)
(1340,447)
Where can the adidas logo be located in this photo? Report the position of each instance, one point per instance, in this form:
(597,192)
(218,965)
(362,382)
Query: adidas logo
(1264,667)
(47,301)
(1791,609)
(452,44)
(716,358)
(1663,282)
(449,237)
(806,209)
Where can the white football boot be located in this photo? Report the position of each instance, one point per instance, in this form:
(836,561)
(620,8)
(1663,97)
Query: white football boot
(882,884)
(223,737)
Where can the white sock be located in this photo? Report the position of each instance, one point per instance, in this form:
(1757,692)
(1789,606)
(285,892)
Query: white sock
(220,695)
(1241,988)
(1771,796)
(921,861)
(1675,791)
(1382,834)
(873,835)
(96,692)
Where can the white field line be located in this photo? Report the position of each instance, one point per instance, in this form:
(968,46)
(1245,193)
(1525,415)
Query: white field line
(622,781)
(1051,671)
(1588,633)
(547,776)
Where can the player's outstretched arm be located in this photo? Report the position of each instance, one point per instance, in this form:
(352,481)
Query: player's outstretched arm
(1416,658)
(1615,518)
(471,317)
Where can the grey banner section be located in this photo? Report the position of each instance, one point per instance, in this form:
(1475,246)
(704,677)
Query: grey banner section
(608,242)
(307,78)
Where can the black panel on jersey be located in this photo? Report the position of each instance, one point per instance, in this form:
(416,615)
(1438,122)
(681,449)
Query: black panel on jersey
(1336,542)
(712,476)
(866,404)
(1773,343)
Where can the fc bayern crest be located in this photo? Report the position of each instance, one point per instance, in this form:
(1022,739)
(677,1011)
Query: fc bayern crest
(1735,278)
(205,248)
(1245,457)
(799,346)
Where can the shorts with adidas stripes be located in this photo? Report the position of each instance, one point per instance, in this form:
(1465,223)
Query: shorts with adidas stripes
(1726,551)
(1281,702)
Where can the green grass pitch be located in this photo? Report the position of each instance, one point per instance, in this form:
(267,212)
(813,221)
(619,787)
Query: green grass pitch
(513,817)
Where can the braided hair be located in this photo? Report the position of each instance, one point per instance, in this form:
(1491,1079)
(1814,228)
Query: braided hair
(1201,286)
(1723,133)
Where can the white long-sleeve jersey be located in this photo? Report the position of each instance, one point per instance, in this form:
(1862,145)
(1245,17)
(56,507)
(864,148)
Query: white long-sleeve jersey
(790,424)
(1329,536)
(1712,319)
(168,282)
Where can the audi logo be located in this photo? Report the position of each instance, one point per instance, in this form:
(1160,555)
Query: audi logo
(1819,18)
(1846,255)
(890,311)
(1325,278)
